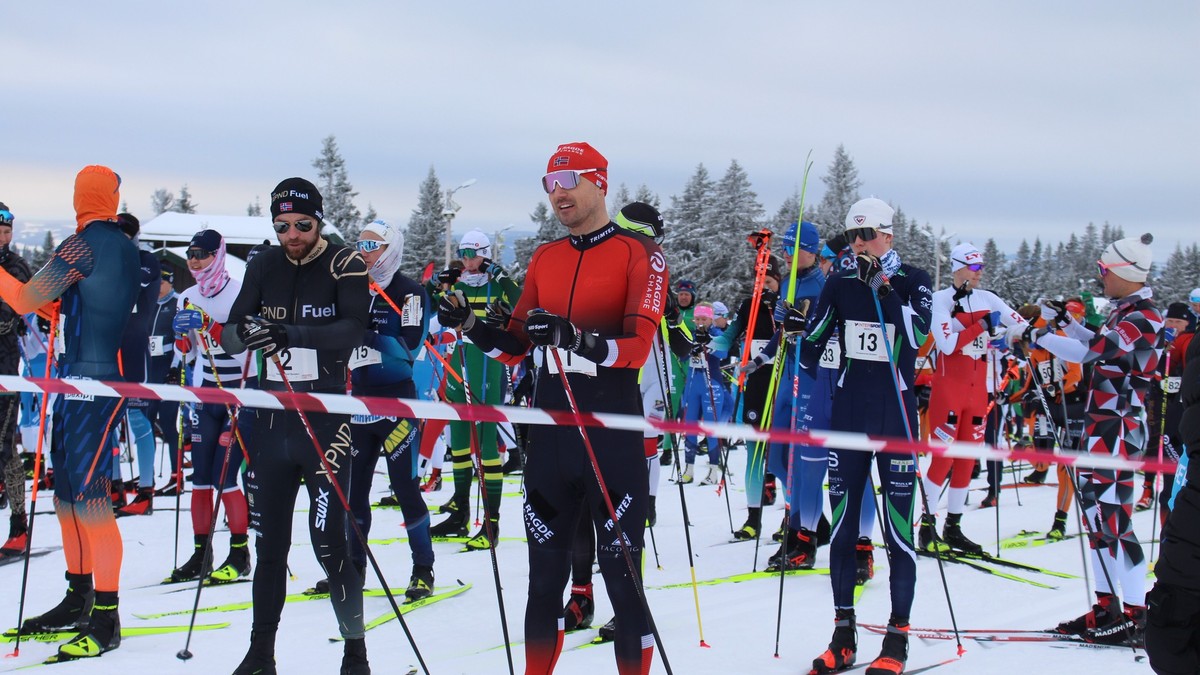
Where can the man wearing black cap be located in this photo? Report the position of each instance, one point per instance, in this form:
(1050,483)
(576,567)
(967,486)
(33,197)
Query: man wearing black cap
(164,369)
(12,327)
(304,306)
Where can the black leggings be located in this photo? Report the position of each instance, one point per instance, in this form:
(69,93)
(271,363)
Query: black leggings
(282,453)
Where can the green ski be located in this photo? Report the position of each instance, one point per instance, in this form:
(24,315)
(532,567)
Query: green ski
(738,578)
(410,606)
(126,631)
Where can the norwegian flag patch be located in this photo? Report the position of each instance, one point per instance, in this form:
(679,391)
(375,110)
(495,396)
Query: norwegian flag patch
(286,206)
(562,161)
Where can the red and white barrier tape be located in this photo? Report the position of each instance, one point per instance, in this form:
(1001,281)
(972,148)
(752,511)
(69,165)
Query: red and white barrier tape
(417,409)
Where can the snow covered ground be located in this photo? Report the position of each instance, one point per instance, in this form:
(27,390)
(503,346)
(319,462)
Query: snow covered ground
(463,634)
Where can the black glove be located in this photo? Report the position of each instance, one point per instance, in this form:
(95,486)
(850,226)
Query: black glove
(173,376)
(258,333)
(454,311)
(489,266)
(1055,312)
(550,330)
(870,272)
(671,309)
(449,276)
(702,336)
(1030,401)
(498,314)
(43,324)
(961,292)
(795,318)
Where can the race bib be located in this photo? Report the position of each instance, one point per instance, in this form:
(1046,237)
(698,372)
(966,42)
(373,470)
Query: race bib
(977,347)
(212,346)
(156,345)
(300,365)
(696,361)
(756,347)
(1171,386)
(572,363)
(865,341)
(363,356)
(1048,372)
(832,356)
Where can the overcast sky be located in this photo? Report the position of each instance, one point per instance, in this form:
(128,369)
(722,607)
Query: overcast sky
(1002,119)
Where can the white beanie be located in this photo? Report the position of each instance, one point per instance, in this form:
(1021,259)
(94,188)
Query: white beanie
(1194,296)
(389,261)
(1130,258)
(964,254)
(870,212)
(476,240)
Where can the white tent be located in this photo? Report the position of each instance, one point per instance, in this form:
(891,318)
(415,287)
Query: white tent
(171,228)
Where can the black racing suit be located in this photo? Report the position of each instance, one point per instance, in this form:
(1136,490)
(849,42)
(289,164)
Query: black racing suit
(323,303)
(12,327)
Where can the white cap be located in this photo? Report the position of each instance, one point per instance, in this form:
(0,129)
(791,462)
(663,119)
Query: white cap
(719,308)
(870,212)
(1194,296)
(476,240)
(1130,258)
(964,254)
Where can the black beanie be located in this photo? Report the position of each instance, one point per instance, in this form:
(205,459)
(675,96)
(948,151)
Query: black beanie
(1178,310)
(129,224)
(296,195)
(773,269)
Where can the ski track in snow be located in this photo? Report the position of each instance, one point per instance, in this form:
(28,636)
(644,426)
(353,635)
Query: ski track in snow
(463,635)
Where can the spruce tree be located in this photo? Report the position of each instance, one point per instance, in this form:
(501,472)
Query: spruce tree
(841,191)
(425,240)
(161,201)
(548,229)
(686,222)
(725,268)
(255,209)
(184,203)
(336,191)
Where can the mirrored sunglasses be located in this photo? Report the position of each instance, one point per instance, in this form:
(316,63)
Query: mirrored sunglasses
(468,253)
(368,245)
(302,225)
(566,179)
(1104,267)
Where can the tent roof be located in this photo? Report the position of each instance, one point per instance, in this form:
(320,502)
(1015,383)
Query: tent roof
(177,228)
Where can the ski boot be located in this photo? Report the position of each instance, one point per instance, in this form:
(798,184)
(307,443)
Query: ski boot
(580,609)
(894,653)
(142,504)
(990,500)
(455,525)
(102,633)
(1102,613)
(1146,500)
(420,584)
(434,482)
(260,658)
(1128,627)
(200,564)
(18,537)
(1058,531)
(687,476)
(389,501)
(175,487)
(953,535)
(843,648)
(69,614)
(651,513)
(713,477)
(927,534)
(1037,477)
(514,464)
(751,528)
(608,632)
(237,565)
(799,552)
(117,493)
(487,537)
(864,561)
(354,657)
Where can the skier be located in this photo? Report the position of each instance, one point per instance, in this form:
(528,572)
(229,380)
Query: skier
(965,319)
(1164,410)
(303,305)
(1126,351)
(383,366)
(95,272)
(483,281)
(164,369)
(12,330)
(879,358)
(705,396)
(602,340)
(201,316)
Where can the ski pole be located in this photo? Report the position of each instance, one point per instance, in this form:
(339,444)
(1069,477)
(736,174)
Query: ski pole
(206,556)
(341,495)
(712,402)
(488,524)
(687,525)
(916,465)
(37,472)
(635,578)
(178,477)
(1162,438)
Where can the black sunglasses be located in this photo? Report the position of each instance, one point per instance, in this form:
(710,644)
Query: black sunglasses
(198,254)
(864,233)
(302,225)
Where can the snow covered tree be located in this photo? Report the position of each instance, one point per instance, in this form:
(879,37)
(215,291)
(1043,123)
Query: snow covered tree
(42,255)
(184,203)
(425,240)
(685,221)
(548,229)
(337,192)
(726,269)
(1179,276)
(841,191)
(648,196)
(161,201)
(254,209)
(786,215)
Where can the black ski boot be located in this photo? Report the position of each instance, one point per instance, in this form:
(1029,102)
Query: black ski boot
(953,535)
(798,552)
(200,564)
(486,538)
(71,613)
(843,648)
(580,609)
(515,462)
(608,632)
(237,565)
(894,653)
(927,534)
(1128,627)
(1102,613)
(354,657)
(260,658)
(752,527)
(1058,531)
(102,633)
(864,561)
(455,525)
(420,585)
(1037,477)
